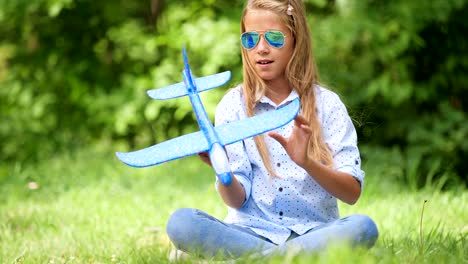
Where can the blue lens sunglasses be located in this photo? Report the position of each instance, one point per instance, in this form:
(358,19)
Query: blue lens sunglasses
(274,38)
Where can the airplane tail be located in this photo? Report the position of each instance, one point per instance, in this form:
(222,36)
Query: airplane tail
(198,85)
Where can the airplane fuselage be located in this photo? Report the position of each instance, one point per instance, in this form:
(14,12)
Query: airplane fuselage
(217,154)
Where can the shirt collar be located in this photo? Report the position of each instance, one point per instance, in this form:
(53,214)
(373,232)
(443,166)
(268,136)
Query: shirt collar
(293,95)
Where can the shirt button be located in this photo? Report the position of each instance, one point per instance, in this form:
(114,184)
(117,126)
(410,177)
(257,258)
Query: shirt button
(278,164)
(281,213)
(280,189)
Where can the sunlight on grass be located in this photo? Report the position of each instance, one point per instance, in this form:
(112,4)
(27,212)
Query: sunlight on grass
(86,207)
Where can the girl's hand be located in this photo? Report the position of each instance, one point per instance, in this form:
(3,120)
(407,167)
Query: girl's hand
(297,144)
(205,158)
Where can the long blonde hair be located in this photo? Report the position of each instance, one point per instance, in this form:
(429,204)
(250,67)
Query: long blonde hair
(301,73)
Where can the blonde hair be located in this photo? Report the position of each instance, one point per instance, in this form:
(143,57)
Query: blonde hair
(301,73)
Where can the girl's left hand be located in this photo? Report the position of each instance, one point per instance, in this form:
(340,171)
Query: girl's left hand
(297,144)
(205,158)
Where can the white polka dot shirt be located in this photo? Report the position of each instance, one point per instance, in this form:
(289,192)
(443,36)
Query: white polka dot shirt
(275,206)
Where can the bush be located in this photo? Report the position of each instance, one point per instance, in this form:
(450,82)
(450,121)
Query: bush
(74,71)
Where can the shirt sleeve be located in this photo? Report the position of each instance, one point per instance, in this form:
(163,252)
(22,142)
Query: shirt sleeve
(341,137)
(230,109)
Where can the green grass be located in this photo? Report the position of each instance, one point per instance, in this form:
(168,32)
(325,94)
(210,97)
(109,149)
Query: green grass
(90,208)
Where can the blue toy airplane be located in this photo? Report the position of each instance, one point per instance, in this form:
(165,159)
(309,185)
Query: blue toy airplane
(209,138)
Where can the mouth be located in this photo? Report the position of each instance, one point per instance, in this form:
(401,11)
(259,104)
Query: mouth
(264,62)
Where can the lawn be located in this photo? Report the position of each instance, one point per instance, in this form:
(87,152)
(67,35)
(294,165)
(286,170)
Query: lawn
(86,207)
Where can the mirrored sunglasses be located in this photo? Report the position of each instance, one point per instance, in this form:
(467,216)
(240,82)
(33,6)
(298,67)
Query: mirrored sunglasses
(274,38)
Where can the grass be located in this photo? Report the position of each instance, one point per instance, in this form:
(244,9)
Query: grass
(86,207)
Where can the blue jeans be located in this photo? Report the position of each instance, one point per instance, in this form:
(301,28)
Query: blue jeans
(200,234)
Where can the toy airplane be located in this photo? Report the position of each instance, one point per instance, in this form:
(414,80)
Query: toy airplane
(209,138)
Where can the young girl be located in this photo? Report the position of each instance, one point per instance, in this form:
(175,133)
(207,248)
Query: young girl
(284,184)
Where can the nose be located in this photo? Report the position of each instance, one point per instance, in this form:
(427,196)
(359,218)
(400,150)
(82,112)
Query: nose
(262,46)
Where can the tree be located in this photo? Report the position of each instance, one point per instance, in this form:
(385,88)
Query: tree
(74,71)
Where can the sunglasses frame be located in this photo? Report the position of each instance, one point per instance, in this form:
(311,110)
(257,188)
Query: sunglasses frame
(260,34)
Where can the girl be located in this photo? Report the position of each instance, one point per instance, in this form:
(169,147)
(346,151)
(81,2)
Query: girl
(284,184)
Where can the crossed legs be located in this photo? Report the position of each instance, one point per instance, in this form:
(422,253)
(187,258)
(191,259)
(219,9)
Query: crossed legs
(198,233)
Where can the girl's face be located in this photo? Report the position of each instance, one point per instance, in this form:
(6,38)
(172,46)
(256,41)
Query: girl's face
(269,62)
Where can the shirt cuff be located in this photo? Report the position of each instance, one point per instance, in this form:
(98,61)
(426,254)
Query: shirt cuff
(356,172)
(245,184)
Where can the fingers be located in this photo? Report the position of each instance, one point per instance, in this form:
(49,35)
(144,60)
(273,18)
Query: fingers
(204,157)
(301,122)
(282,140)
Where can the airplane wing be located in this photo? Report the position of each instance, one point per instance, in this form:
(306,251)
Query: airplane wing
(175,148)
(196,142)
(232,132)
(202,84)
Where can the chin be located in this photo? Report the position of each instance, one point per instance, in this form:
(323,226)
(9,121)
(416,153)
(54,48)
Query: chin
(266,77)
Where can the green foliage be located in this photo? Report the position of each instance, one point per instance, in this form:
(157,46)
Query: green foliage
(401,68)
(73,72)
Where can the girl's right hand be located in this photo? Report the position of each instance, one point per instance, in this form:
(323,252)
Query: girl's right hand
(205,158)
(296,145)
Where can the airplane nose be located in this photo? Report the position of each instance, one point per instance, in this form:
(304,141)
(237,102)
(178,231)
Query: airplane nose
(225,178)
